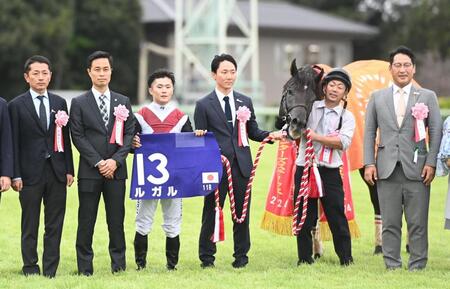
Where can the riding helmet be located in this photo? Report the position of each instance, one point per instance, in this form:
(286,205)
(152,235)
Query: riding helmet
(338,74)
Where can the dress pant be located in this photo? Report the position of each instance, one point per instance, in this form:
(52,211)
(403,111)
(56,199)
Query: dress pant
(89,191)
(397,193)
(241,232)
(52,193)
(333,206)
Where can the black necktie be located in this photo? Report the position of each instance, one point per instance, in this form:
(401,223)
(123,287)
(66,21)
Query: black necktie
(42,113)
(228,112)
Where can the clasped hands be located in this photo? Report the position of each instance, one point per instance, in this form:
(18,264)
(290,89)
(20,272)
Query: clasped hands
(107,168)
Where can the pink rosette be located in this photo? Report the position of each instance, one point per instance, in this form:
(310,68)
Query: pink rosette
(121,114)
(61,119)
(419,112)
(243,115)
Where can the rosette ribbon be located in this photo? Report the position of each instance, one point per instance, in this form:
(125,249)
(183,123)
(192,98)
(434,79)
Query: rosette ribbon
(121,114)
(243,115)
(419,112)
(61,119)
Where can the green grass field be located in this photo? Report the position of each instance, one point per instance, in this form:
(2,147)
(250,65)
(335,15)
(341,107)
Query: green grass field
(272,257)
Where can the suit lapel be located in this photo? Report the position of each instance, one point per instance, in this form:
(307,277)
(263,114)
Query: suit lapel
(113,102)
(94,108)
(53,110)
(28,103)
(238,101)
(412,99)
(214,101)
(389,100)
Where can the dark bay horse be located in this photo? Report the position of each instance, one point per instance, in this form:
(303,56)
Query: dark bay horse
(299,93)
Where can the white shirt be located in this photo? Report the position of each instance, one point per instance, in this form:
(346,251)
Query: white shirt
(396,94)
(97,95)
(325,121)
(37,103)
(161,111)
(220,96)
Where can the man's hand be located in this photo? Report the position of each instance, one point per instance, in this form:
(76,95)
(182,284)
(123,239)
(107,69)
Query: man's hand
(69,180)
(5,183)
(136,143)
(200,132)
(17,185)
(107,168)
(370,174)
(427,174)
(277,135)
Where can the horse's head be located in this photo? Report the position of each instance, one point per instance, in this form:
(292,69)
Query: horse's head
(299,93)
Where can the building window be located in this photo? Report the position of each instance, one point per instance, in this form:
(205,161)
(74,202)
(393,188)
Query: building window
(332,60)
(285,53)
(312,53)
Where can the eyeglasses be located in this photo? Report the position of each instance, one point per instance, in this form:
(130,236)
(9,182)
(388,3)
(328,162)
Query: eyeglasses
(405,65)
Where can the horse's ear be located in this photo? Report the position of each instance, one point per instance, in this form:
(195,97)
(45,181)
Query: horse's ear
(319,71)
(294,69)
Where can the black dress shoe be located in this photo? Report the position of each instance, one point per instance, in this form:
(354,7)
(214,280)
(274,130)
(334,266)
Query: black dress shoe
(31,273)
(346,261)
(205,265)
(172,268)
(117,270)
(308,261)
(239,264)
(378,250)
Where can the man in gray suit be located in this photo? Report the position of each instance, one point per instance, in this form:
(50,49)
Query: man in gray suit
(403,168)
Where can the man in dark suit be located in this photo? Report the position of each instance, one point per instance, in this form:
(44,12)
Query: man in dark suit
(102,167)
(6,148)
(216,113)
(41,172)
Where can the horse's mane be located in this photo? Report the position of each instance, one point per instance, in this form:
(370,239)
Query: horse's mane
(305,76)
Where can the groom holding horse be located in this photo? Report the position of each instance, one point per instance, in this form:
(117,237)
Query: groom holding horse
(331,132)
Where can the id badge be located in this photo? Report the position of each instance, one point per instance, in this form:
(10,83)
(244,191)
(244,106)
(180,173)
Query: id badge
(326,154)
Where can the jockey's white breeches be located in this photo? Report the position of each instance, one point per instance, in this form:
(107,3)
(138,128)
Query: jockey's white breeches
(145,213)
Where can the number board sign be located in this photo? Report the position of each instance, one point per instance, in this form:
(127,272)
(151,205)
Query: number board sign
(175,165)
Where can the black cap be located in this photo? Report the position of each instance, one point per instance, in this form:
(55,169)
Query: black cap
(338,74)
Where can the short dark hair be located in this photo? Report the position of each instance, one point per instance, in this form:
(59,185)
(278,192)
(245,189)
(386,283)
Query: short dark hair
(402,50)
(221,58)
(161,73)
(34,59)
(99,54)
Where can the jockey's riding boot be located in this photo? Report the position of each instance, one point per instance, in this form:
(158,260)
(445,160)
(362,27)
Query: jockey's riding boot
(378,233)
(140,250)
(172,252)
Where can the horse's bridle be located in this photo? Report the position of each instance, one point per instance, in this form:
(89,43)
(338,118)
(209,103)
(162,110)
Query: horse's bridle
(287,117)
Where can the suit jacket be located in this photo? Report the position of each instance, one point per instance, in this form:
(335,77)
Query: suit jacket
(32,142)
(91,138)
(209,115)
(6,146)
(397,143)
